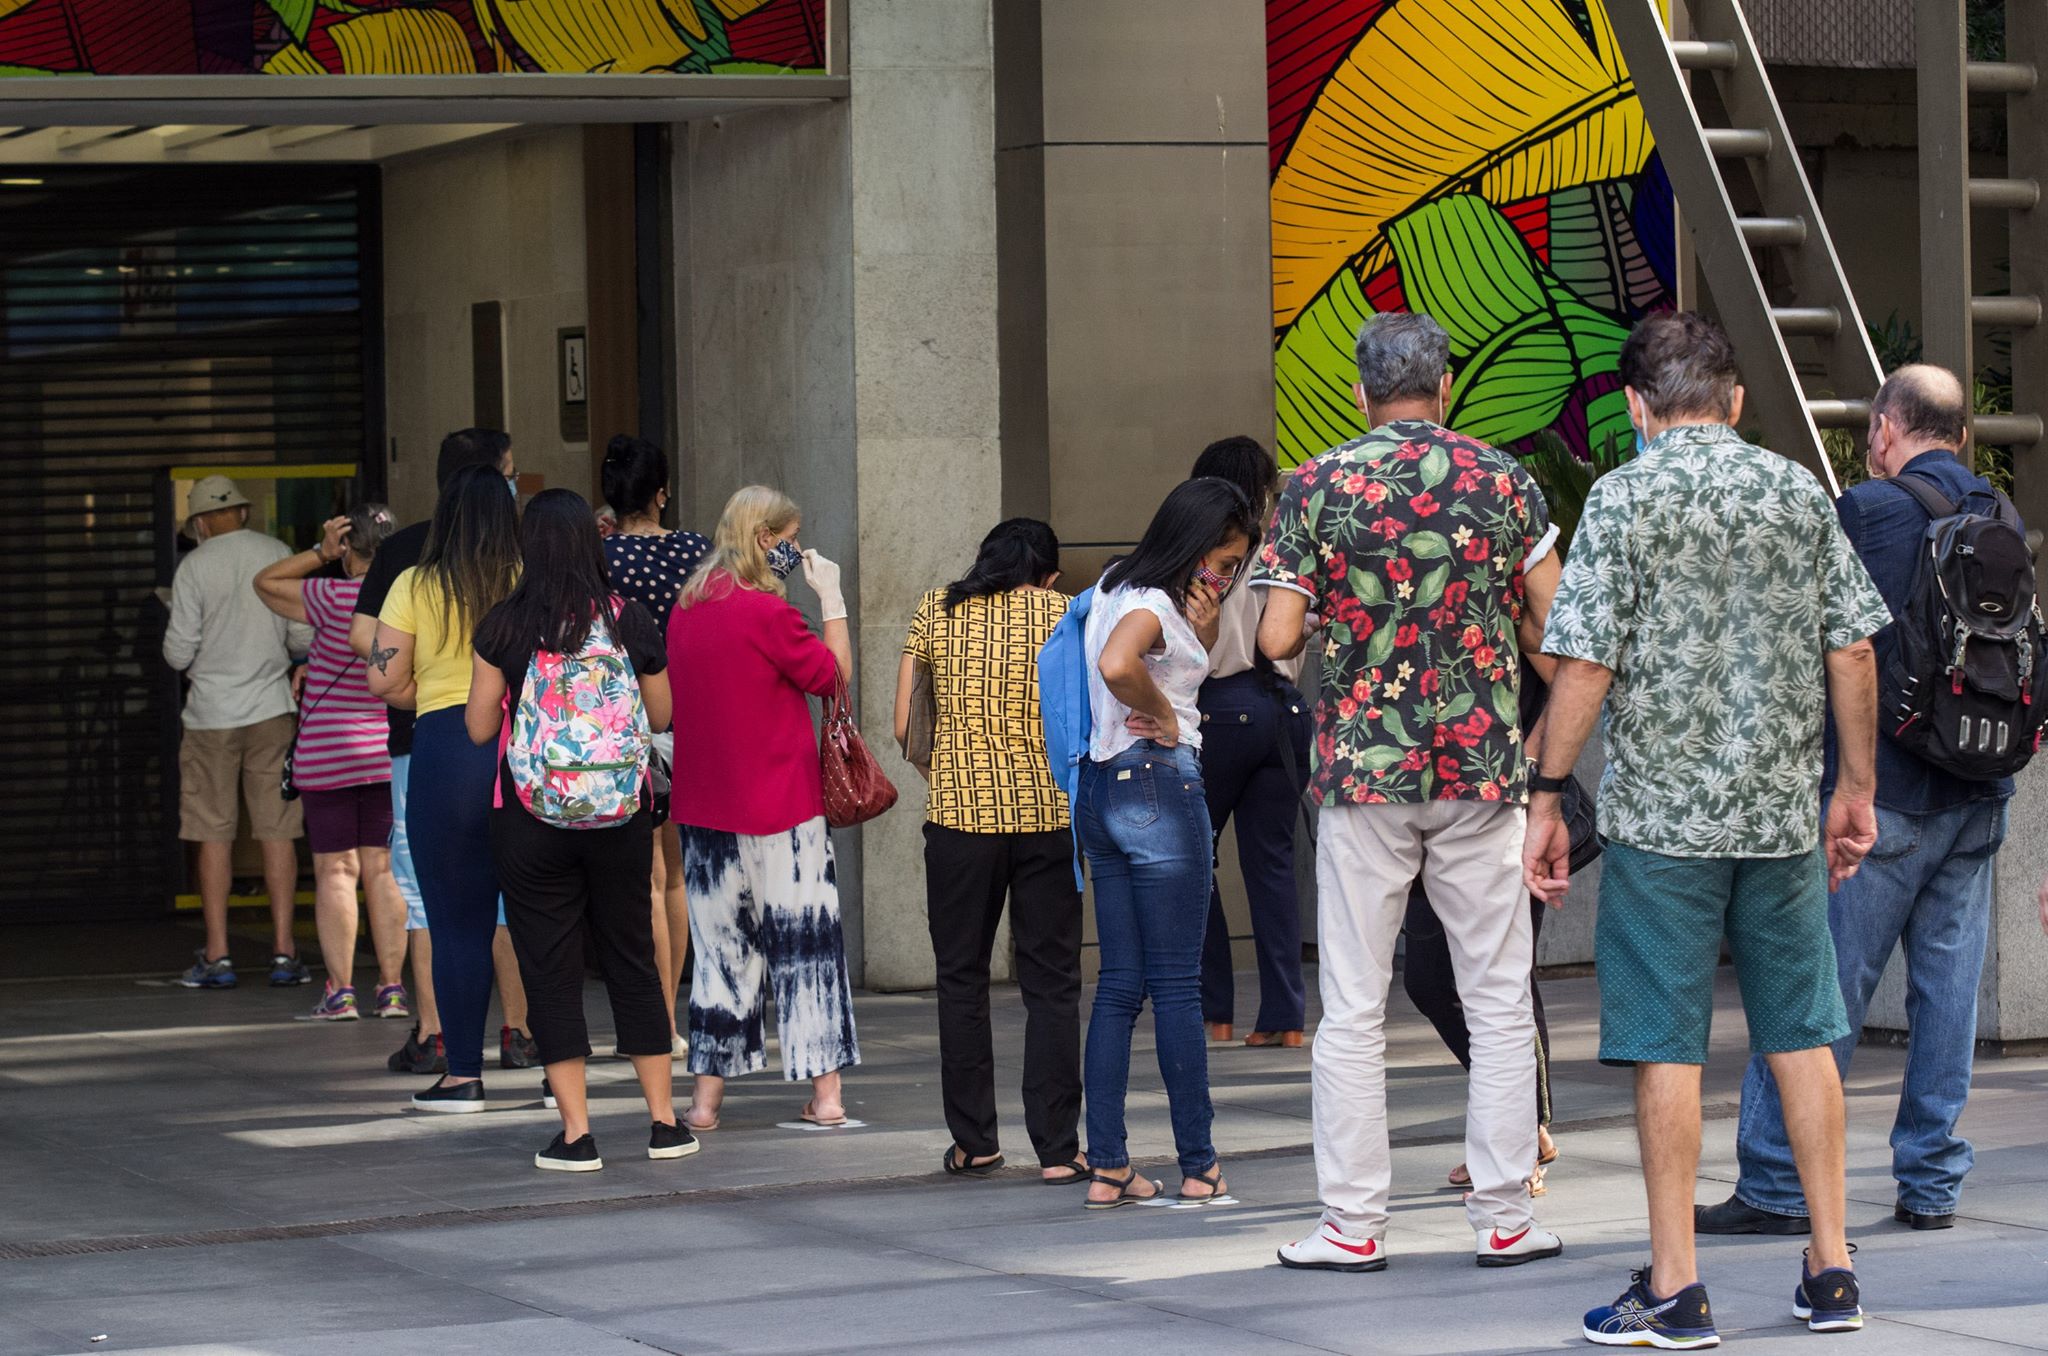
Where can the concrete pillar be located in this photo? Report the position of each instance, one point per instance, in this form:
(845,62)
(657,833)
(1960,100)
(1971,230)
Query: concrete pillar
(926,422)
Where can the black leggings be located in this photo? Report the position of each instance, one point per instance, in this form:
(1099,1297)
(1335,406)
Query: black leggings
(1432,985)
(556,880)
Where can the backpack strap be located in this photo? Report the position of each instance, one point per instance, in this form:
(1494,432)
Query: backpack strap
(1934,501)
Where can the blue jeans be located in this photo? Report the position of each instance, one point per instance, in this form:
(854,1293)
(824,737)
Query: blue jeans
(1144,823)
(1927,884)
(448,820)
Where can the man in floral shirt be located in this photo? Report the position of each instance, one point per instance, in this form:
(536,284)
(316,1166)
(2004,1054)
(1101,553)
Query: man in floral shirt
(1713,603)
(1417,549)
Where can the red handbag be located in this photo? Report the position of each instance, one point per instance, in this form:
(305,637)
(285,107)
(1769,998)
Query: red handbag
(856,788)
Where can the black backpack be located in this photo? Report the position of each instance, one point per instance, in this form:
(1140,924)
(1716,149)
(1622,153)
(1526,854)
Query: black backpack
(1964,689)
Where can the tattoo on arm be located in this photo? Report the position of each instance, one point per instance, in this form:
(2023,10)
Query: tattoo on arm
(382,658)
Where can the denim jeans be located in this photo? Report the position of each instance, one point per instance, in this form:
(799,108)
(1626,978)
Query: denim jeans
(1927,885)
(1144,823)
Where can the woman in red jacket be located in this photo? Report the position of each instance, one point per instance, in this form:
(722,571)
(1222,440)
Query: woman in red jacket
(749,802)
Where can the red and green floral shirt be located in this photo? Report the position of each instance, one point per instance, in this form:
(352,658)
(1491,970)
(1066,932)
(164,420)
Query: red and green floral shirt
(1410,543)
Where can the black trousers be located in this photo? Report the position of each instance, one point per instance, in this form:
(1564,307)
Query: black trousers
(1432,985)
(967,876)
(1246,775)
(556,881)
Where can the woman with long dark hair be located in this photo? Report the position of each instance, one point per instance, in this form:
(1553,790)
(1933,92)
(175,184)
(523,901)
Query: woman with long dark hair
(422,658)
(1144,824)
(569,681)
(996,826)
(649,565)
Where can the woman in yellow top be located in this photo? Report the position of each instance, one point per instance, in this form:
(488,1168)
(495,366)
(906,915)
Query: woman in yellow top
(423,658)
(996,826)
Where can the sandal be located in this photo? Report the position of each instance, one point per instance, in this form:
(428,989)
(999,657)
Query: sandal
(697,1127)
(965,1166)
(809,1113)
(1461,1177)
(1287,1040)
(1213,1179)
(1077,1171)
(1124,1195)
(1548,1156)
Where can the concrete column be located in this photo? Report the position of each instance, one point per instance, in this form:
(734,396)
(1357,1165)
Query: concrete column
(926,385)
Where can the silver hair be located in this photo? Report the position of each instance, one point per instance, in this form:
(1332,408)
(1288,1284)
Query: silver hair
(1402,356)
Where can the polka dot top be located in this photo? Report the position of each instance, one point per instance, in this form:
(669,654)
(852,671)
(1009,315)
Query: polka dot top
(652,570)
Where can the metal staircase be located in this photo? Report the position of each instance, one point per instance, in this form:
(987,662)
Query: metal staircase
(1951,310)
(1777,282)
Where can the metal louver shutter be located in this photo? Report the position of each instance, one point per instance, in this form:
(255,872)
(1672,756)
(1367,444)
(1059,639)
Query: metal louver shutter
(150,318)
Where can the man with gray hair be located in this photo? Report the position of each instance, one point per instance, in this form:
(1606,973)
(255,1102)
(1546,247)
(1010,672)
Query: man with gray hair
(1419,551)
(1712,602)
(1930,891)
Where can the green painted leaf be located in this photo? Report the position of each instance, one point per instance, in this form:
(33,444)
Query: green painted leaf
(1379,647)
(1315,405)
(1377,756)
(1504,704)
(1457,707)
(1366,587)
(1426,545)
(1594,249)
(1431,590)
(1463,264)
(9,69)
(295,15)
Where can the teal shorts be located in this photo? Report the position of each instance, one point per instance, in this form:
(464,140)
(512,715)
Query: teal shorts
(1658,941)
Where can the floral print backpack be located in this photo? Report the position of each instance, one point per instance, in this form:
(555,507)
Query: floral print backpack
(577,744)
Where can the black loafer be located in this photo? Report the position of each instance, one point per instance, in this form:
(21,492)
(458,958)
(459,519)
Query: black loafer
(446,1096)
(1913,1219)
(1737,1216)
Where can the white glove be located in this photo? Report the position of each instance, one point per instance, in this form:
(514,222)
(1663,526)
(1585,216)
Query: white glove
(823,577)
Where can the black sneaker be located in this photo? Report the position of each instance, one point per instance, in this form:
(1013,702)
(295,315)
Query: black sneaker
(286,971)
(1639,1319)
(547,1093)
(1914,1219)
(561,1156)
(419,1057)
(516,1050)
(1829,1302)
(446,1096)
(671,1141)
(1737,1216)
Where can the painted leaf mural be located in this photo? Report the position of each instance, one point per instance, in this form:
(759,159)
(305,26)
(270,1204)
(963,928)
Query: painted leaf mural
(1483,160)
(410,37)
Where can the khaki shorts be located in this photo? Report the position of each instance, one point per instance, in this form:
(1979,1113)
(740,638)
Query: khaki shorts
(214,764)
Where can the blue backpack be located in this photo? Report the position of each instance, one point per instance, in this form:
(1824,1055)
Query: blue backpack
(1063,704)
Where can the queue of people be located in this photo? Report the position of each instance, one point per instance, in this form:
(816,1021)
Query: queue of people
(1464,658)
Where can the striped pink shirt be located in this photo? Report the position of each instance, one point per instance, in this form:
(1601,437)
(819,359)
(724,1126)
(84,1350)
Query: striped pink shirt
(342,728)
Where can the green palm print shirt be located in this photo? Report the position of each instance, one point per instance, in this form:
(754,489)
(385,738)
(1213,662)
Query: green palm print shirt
(1712,578)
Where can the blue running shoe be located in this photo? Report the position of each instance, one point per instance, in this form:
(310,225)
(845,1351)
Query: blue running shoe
(286,971)
(206,974)
(1829,1302)
(1684,1322)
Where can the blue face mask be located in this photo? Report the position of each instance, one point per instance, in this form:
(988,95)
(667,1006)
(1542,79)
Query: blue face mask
(512,487)
(783,558)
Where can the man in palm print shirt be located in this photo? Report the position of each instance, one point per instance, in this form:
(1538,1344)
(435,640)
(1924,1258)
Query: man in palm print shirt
(1416,547)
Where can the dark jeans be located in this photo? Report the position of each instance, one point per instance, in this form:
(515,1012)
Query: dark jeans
(1144,824)
(448,823)
(1432,985)
(555,881)
(1245,726)
(967,876)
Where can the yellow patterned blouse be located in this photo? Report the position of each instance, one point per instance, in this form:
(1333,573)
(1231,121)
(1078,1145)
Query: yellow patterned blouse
(988,757)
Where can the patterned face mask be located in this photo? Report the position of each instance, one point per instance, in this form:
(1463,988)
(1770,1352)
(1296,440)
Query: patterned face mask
(783,558)
(1214,580)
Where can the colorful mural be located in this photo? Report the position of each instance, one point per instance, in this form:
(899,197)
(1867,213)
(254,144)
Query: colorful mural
(410,37)
(1485,161)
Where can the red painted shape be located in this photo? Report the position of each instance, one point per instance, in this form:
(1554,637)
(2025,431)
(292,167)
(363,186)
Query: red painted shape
(1383,290)
(1305,42)
(783,33)
(118,37)
(38,35)
(1531,220)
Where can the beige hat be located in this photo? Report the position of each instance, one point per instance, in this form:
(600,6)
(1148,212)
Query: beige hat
(212,493)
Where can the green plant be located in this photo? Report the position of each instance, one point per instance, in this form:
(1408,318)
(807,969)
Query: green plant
(1566,479)
(1896,341)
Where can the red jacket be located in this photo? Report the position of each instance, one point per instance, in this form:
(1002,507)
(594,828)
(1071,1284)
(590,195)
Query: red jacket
(739,664)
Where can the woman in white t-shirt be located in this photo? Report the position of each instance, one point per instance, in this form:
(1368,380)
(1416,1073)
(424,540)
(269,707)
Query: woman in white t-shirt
(1144,823)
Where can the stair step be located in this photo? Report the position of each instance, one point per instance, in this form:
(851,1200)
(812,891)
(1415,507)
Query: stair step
(1773,230)
(2001,77)
(1821,321)
(2002,430)
(2015,195)
(1704,56)
(1733,143)
(2020,312)
(1839,413)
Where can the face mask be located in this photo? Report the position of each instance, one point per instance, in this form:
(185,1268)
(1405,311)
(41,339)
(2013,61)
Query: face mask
(1213,579)
(783,558)
(512,487)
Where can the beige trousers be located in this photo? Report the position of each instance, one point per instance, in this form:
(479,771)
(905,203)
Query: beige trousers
(1469,856)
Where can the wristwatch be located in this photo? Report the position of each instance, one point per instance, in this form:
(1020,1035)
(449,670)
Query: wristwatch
(1555,785)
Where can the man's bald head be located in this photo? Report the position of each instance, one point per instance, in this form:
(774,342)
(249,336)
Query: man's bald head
(1920,408)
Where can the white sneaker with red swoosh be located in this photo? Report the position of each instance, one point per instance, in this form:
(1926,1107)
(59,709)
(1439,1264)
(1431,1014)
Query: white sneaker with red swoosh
(1330,1249)
(1497,1249)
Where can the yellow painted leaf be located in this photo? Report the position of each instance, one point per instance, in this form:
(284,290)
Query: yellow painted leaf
(293,61)
(8,7)
(403,42)
(1442,97)
(596,35)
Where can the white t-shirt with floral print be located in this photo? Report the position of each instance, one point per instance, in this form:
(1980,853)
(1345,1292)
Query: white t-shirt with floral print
(1178,665)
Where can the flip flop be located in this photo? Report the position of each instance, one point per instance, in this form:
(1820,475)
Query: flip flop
(1080,1174)
(967,1167)
(1124,1195)
(806,1114)
(694,1127)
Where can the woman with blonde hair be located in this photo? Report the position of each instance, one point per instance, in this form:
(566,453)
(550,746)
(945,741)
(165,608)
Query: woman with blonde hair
(749,803)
